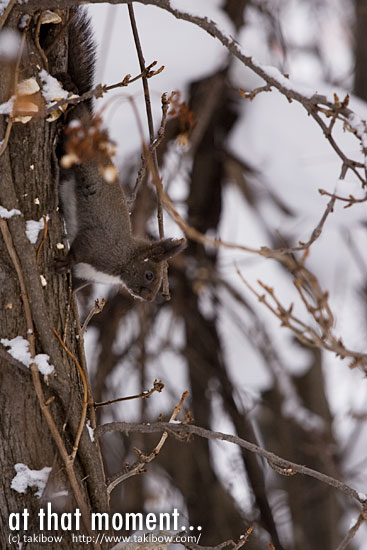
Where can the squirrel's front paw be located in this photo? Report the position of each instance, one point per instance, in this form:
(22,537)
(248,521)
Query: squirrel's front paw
(62,264)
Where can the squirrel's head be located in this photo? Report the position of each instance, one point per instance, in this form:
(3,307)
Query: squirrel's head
(143,274)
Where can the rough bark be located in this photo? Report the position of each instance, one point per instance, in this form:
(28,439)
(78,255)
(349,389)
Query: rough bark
(28,172)
(360,49)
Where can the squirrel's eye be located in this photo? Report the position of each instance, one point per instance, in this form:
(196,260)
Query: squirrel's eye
(149,275)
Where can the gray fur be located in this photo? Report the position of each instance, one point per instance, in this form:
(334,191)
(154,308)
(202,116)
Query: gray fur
(103,247)
(98,221)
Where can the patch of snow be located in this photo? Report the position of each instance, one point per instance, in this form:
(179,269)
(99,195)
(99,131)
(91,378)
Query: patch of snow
(90,430)
(42,362)
(3,6)
(19,349)
(4,213)
(30,478)
(274,73)
(7,107)
(51,88)
(360,127)
(33,228)
(24,21)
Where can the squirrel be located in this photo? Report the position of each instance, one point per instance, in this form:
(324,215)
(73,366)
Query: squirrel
(102,246)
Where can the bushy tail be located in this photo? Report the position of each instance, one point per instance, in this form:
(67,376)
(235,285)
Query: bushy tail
(82,51)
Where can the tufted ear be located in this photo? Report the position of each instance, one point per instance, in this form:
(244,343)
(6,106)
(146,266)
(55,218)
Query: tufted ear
(160,251)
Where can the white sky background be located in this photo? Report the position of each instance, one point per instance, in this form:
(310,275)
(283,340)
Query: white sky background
(295,161)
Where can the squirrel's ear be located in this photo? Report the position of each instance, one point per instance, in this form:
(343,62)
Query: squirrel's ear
(166,249)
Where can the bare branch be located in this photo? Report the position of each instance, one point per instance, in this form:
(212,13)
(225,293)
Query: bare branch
(319,310)
(148,107)
(155,144)
(350,200)
(231,543)
(97,308)
(314,104)
(157,387)
(101,89)
(253,93)
(6,13)
(181,430)
(353,530)
(139,466)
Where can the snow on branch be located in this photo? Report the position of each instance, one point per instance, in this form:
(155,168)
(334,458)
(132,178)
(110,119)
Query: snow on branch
(319,107)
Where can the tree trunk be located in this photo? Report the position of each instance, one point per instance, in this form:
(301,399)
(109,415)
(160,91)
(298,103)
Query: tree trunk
(29,184)
(310,502)
(360,49)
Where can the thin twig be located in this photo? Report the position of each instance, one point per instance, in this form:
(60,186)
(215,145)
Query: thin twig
(85,397)
(99,90)
(83,364)
(157,387)
(350,200)
(242,541)
(193,546)
(321,314)
(68,308)
(253,93)
(353,530)
(233,545)
(96,92)
(173,417)
(151,134)
(336,345)
(97,308)
(316,232)
(23,292)
(6,136)
(157,141)
(6,12)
